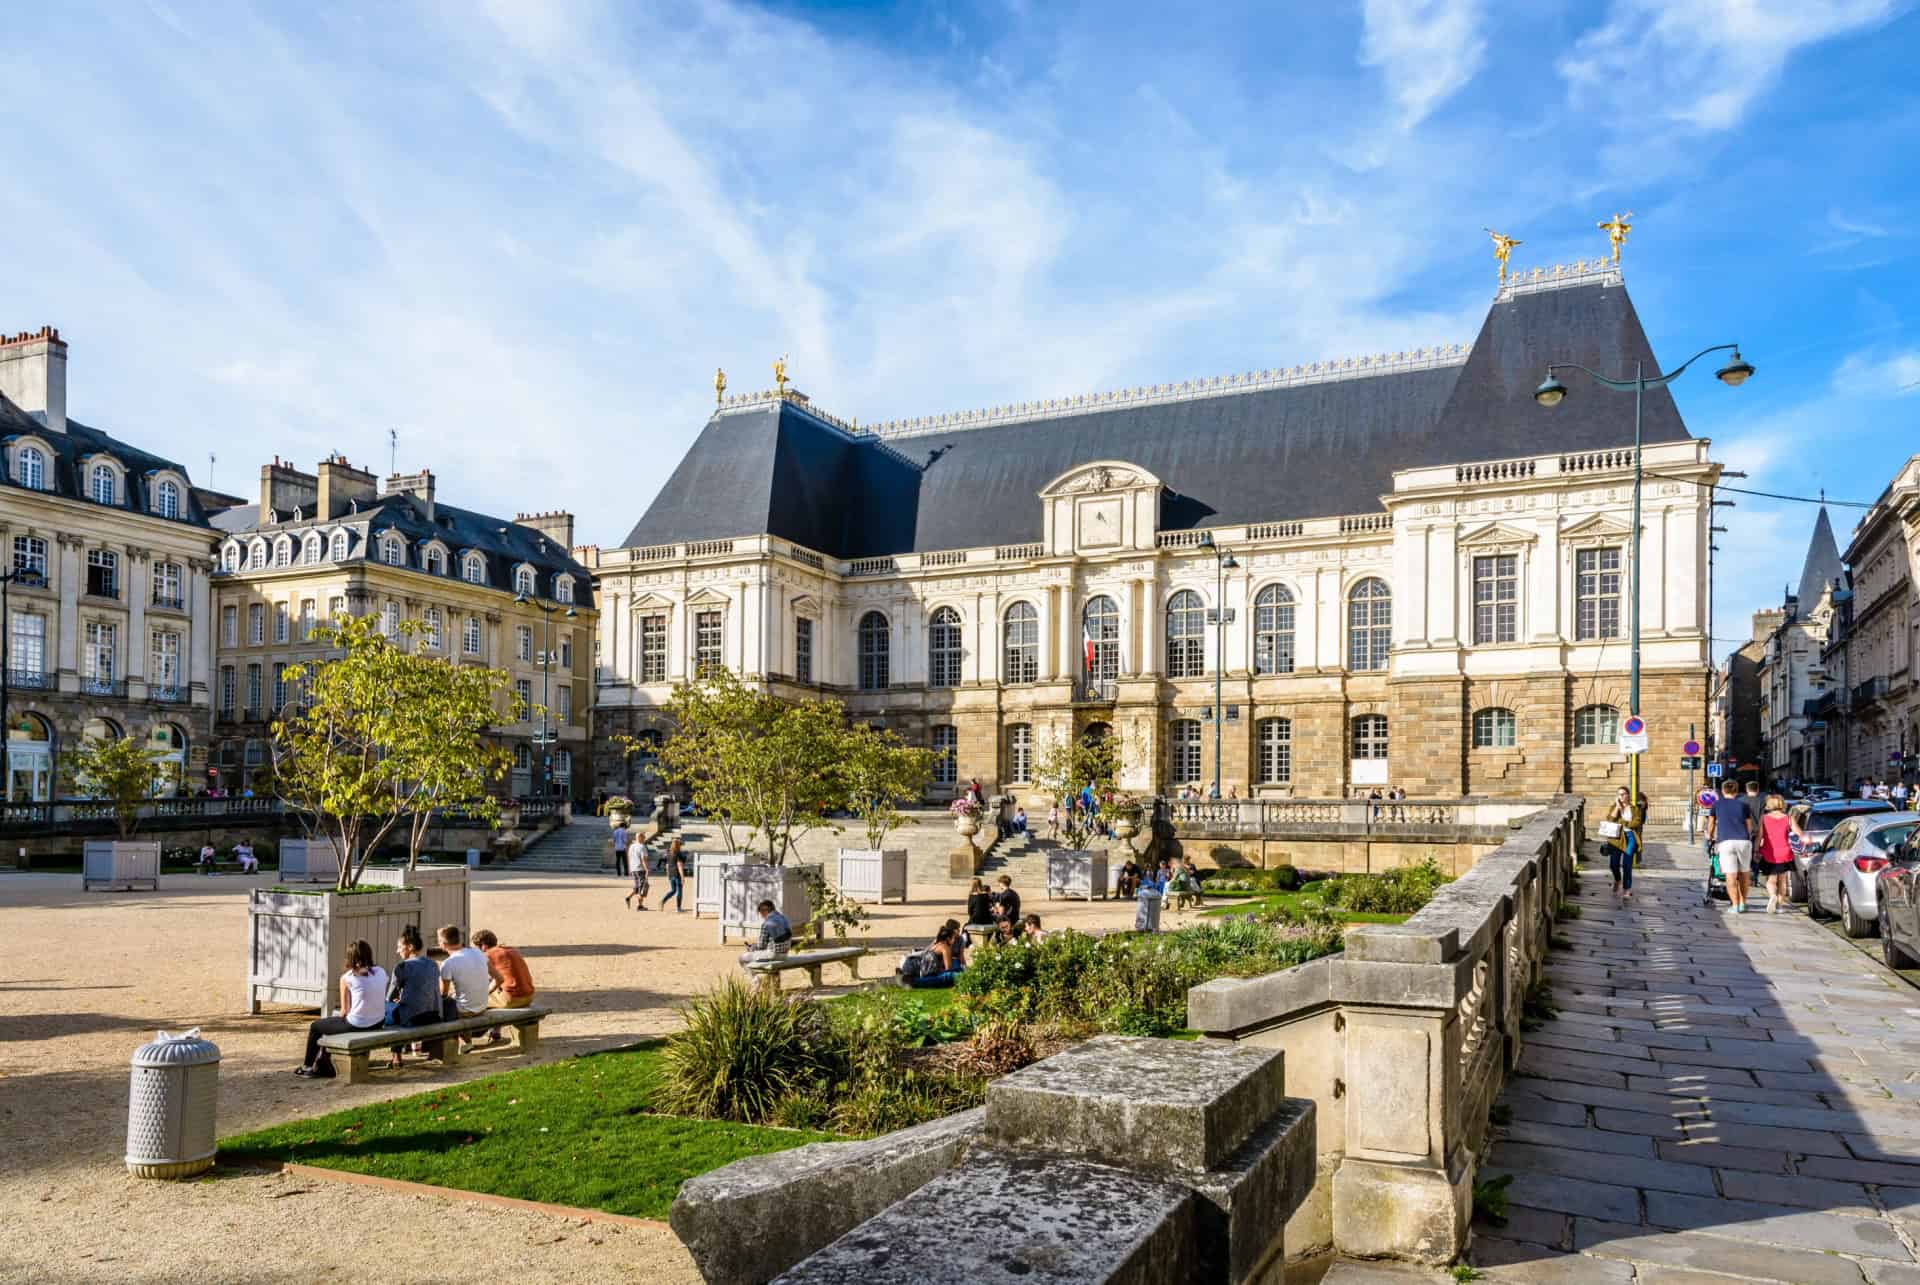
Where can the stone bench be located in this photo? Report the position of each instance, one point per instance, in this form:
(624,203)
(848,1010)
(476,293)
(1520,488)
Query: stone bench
(441,1038)
(768,970)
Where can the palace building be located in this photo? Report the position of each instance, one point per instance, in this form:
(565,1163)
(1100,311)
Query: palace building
(1424,573)
(482,590)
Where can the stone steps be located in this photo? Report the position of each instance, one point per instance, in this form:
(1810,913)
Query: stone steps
(580,848)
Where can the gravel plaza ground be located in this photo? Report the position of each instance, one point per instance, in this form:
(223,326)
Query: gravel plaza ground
(91,976)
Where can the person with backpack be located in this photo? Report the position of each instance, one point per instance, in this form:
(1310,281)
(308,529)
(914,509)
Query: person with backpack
(1620,841)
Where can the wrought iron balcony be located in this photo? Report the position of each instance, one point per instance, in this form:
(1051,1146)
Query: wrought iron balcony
(96,685)
(171,601)
(1099,691)
(25,679)
(170,692)
(1871,690)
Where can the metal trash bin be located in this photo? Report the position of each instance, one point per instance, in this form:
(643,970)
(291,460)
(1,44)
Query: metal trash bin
(171,1106)
(473,858)
(1146,919)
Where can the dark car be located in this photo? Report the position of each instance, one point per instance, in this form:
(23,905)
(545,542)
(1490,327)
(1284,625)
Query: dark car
(1898,890)
(1818,820)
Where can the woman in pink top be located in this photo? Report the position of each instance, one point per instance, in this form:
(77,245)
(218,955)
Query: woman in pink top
(1774,851)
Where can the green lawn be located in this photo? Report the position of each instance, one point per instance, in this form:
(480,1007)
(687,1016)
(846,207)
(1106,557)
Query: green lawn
(571,1133)
(1244,903)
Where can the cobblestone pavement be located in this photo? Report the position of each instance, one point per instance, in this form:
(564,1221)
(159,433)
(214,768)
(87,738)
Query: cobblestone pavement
(1720,1096)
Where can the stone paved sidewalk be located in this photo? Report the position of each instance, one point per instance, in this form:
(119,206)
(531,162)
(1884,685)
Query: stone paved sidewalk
(1721,1096)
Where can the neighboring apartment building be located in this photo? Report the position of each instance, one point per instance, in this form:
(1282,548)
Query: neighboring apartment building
(482,590)
(1428,584)
(1734,718)
(1792,675)
(1873,713)
(108,624)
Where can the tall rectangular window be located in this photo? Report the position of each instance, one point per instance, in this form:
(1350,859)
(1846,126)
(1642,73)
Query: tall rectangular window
(229,690)
(523,642)
(523,688)
(230,625)
(802,649)
(166,584)
(1184,755)
(28,658)
(103,573)
(390,623)
(256,624)
(281,622)
(431,632)
(566,651)
(707,650)
(563,706)
(653,649)
(1496,598)
(470,636)
(163,674)
(1022,646)
(30,557)
(254,693)
(1020,752)
(279,686)
(1276,751)
(946,742)
(1596,612)
(102,658)
(336,608)
(306,620)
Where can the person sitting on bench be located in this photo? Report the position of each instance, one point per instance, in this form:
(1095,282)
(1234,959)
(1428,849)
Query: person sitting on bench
(1129,880)
(979,903)
(1006,902)
(413,998)
(512,983)
(243,853)
(363,987)
(776,935)
(463,977)
(205,864)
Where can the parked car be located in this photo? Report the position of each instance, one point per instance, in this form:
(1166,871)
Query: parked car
(1844,878)
(1818,820)
(1898,892)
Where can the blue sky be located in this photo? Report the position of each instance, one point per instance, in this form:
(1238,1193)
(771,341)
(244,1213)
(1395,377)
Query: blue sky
(523,235)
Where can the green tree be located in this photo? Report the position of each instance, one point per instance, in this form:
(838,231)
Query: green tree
(877,770)
(1065,765)
(383,736)
(757,763)
(123,771)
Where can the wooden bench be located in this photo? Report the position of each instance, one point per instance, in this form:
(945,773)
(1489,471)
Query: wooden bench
(222,867)
(768,970)
(441,1038)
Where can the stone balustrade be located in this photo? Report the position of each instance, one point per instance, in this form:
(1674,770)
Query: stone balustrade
(1403,1041)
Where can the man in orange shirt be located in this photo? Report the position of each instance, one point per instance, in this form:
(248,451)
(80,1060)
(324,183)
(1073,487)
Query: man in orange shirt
(512,983)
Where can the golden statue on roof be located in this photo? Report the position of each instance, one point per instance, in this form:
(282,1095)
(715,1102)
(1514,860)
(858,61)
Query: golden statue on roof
(1617,233)
(1502,247)
(780,374)
(719,386)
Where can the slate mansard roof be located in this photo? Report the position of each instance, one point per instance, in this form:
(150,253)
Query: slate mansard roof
(79,443)
(1266,454)
(505,545)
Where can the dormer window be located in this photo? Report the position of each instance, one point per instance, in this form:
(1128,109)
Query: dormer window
(30,468)
(392,552)
(311,547)
(230,557)
(523,580)
(257,555)
(563,588)
(436,562)
(474,569)
(283,551)
(166,498)
(100,486)
(340,543)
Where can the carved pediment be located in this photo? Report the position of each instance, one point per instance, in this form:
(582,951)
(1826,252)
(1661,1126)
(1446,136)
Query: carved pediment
(708,598)
(1103,475)
(652,602)
(806,605)
(1496,533)
(1597,527)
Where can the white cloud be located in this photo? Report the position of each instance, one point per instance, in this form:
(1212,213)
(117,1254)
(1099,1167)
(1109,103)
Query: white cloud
(1850,226)
(1702,62)
(1427,49)
(1878,374)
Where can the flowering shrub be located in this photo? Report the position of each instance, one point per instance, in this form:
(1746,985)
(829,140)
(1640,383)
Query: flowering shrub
(964,806)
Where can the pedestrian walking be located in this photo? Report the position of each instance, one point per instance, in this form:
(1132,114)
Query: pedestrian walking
(1620,836)
(620,848)
(676,877)
(1731,828)
(1774,859)
(637,869)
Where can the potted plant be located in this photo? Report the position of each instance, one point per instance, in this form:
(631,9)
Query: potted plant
(877,770)
(1067,766)
(1125,809)
(966,815)
(618,810)
(126,774)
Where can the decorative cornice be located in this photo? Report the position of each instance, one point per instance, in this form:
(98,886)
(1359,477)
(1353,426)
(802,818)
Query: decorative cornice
(1581,272)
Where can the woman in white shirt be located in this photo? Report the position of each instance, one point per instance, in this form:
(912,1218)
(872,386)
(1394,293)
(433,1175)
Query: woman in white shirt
(363,1006)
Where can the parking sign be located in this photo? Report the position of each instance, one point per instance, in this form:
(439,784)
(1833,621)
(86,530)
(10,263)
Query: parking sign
(1633,735)
(1716,770)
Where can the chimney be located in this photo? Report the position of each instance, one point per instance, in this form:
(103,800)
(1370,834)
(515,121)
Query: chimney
(284,488)
(341,484)
(419,485)
(557,526)
(33,375)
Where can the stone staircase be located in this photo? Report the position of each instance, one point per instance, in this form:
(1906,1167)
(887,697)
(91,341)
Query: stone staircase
(1022,857)
(580,848)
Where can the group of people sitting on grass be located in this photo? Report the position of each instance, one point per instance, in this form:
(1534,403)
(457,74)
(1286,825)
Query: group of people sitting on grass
(466,981)
(1180,880)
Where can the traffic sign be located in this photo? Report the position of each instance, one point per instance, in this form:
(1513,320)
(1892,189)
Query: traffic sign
(1690,763)
(1691,749)
(1633,735)
(1716,770)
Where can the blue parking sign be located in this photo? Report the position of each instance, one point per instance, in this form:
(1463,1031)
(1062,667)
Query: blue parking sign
(1716,770)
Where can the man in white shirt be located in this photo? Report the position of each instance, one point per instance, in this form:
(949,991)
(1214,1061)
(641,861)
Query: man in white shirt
(463,973)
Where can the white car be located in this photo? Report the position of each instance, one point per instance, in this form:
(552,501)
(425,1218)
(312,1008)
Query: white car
(1844,877)
(1819,820)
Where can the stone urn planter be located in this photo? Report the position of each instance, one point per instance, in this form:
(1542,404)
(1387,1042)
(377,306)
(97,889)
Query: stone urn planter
(297,941)
(617,819)
(446,897)
(867,874)
(743,887)
(968,826)
(1125,827)
(120,865)
(1076,873)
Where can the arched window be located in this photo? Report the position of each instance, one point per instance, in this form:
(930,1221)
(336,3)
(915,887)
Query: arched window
(943,648)
(100,487)
(436,562)
(1370,736)
(1183,751)
(283,551)
(312,547)
(1022,635)
(167,746)
(1494,729)
(393,552)
(30,468)
(230,557)
(946,743)
(257,555)
(342,542)
(1595,726)
(1020,752)
(1276,751)
(166,498)
(100,729)
(475,569)
(523,580)
(1369,625)
(1100,634)
(29,759)
(876,641)
(563,588)
(1186,635)
(1273,631)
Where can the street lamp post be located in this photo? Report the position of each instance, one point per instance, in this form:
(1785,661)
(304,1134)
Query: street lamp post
(546,738)
(1552,392)
(1222,563)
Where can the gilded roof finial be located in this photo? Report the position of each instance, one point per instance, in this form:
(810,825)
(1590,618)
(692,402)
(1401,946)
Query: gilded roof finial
(1617,233)
(719,386)
(780,374)
(1502,247)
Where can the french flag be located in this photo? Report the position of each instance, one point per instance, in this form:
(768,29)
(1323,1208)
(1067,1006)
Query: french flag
(1086,637)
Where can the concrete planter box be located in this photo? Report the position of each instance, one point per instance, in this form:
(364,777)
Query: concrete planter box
(297,941)
(1072,873)
(869,875)
(446,897)
(707,869)
(309,861)
(743,887)
(120,865)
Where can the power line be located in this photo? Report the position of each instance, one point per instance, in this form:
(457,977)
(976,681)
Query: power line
(1822,498)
